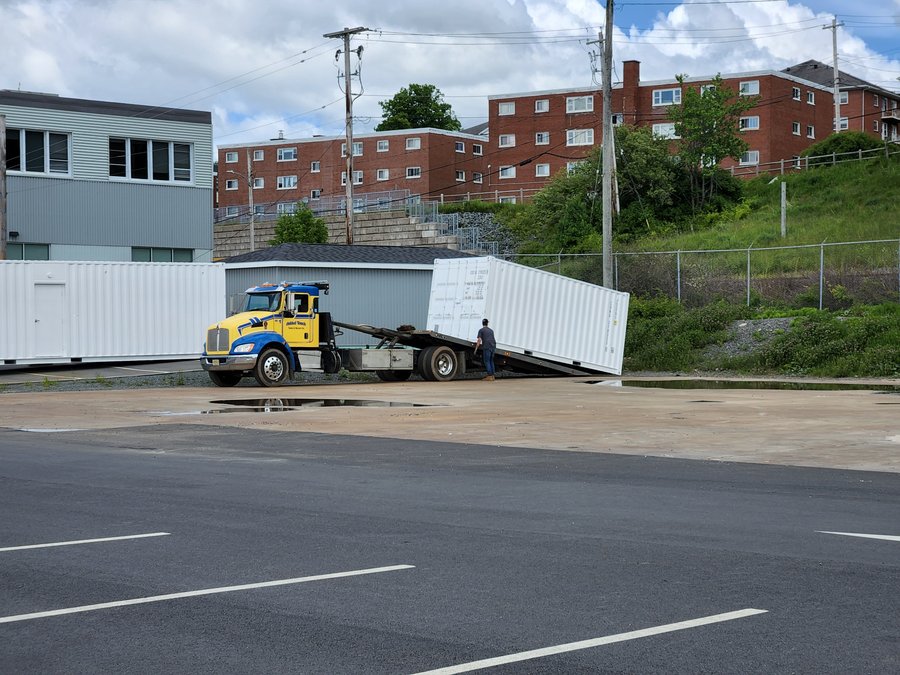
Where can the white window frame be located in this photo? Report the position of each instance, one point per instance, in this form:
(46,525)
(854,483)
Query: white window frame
(571,166)
(413,172)
(844,123)
(810,131)
(542,105)
(750,158)
(706,87)
(231,157)
(665,130)
(357,177)
(414,143)
(663,97)
(460,176)
(259,155)
(579,104)
(749,123)
(506,108)
(382,174)
(286,183)
(286,155)
(542,138)
(795,93)
(506,172)
(795,128)
(315,193)
(579,137)
(259,183)
(383,146)
(874,99)
(315,166)
(618,119)
(286,208)
(749,88)
(459,146)
(541,170)
(477,177)
(875,126)
(506,141)
(507,200)
(231,184)
(843,97)
(477,149)
(357,149)
(232,211)
(811,97)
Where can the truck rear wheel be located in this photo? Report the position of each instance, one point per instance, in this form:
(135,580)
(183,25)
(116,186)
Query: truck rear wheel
(438,364)
(272,368)
(225,379)
(393,375)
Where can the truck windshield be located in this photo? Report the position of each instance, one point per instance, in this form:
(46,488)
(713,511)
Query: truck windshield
(266,302)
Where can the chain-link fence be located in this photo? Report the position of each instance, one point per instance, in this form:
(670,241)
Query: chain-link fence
(827,275)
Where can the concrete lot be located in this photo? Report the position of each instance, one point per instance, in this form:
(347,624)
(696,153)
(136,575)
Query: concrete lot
(836,429)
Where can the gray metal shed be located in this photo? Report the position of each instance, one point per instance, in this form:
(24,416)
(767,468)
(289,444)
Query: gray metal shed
(385,286)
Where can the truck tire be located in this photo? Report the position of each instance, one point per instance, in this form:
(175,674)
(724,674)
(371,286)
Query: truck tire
(438,364)
(332,362)
(225,379)
(393,375)
(272,368)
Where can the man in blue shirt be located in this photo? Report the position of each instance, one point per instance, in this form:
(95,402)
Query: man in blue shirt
(488,344)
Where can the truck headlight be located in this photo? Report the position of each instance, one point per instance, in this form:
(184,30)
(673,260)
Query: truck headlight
(243,349)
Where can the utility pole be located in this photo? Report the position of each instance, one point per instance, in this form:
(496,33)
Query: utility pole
(252,210)
(348,95)
(608,157)
(834,57)
(2,187)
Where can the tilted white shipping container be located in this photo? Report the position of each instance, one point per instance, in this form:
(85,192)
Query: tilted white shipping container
(531,311)
(63,312)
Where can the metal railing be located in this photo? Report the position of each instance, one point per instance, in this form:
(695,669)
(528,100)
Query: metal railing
(800,163)
(388,200)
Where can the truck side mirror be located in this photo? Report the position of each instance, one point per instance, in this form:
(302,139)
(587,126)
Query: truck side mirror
(287,313)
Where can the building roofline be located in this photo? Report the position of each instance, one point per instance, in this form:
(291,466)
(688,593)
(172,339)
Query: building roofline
(320,263)
(356,136)
(27,99)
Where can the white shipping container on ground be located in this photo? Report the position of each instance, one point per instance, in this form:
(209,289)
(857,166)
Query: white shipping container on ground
(531,311)
(63,312)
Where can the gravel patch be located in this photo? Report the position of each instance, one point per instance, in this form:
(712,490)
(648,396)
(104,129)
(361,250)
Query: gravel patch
(747,336)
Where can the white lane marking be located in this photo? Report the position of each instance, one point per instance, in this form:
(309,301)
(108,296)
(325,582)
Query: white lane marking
(204,591)
(596,642)
(144,370)
(85,541)
(47,431)
(886,537)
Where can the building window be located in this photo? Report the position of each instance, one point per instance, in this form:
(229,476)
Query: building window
(749,158)
(795,128)
(258,155)
(44,151)
(810,131)
(232,211)
(665,130)
(666,96)
(706,87)
(382,174)
(286,182)
(414,172)
(541,170)
(231,184)
(315,194)
(874,98)
(795,93)
(27,251)
(875,126)
(577,104)
(542,105)
(357,177)
(542,138)
(460,175)
(460,146)
(796,160)
(357,149)
(477,177)
(140,159)
(383,146)
(843,97)
(508,108)
(259,209)
(259,183)
(749,88)
(414,143)
(477,149)
(286,154)
(148,254)
(618,119)
(507,140)
(507,200)
(282,208)
(811,97)
(844,122)
(571,166)
(507,172)
(580,137)
(749,123)
(231,157)
(315,167)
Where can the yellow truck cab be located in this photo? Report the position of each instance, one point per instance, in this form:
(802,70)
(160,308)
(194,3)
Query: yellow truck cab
(278,331)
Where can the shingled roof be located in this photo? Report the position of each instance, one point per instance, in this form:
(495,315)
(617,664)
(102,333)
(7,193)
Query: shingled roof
(821,73)
(342,253)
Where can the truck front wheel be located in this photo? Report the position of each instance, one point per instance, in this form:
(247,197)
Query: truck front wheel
(438,364)
(272,368)
(226,379)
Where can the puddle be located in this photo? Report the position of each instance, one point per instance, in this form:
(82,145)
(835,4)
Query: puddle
(748,384)
(275,405)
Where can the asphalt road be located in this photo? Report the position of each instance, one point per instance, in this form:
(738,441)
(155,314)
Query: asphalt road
(509,550)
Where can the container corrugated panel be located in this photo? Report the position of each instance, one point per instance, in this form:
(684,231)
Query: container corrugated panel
(531,311)
(55,312)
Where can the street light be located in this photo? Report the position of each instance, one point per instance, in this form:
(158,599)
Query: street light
(249,178)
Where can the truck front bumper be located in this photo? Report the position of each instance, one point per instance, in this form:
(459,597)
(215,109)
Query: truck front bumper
(228,362)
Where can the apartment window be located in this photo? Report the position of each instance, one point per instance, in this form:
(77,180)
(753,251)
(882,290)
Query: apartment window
(507,172)
(580,137)
(666,96)
(477,149)
(286,182)
(507,200)
(383,146)
(258,155)
(461,175)
(571,166)
(542,105)
(357,149)
(414,172)
(810,131)
(577,104)
(315,167)
(706,87)
(843,97)
(618,119)
(231,211)
(231,184)
(811,97)
(140,159)
(795,128)
(796,161)
(44,151)
(460,146)
(382,174)
(508,108)
(507,140)
(286,154)
(259,183)
(750,158)
(875,100)
(844,122)
(315,194)
(477,177)
(541,170)
(231,158)
(749,123)
(259,209)
(414,143)
(795,93)
(542,138)
(148,254)
(665,130)
(875,126)
(285,208)
(357,177)
(748,88)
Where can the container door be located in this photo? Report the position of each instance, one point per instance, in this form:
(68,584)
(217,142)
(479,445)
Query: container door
(51,318)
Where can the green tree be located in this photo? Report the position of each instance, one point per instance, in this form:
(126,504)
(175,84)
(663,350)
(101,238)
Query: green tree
(300,227)
(707,124)
(415,107)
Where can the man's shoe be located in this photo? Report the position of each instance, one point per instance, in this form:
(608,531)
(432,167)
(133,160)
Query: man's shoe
(489,378)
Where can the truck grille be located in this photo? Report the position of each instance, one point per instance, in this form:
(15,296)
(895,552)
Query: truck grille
(217,340)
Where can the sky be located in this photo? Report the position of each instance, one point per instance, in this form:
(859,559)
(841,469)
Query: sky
(264,67)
